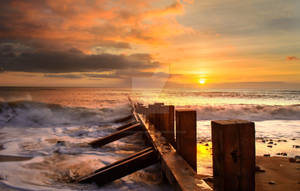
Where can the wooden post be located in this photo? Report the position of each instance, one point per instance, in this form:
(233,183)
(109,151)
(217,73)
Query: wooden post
(186,140)
(147,111)
(167,124)
(233,144)
(151,113)
(144,110)
(158,115)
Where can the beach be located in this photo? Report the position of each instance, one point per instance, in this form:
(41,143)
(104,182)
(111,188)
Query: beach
(278,173)
(44,134)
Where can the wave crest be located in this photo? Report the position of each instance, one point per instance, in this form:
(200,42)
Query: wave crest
(36,114)
(247,112)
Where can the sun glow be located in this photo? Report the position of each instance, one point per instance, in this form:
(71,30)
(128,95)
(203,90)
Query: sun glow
(201,81)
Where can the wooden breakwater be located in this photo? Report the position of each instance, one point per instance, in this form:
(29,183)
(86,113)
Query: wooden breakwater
(171,137)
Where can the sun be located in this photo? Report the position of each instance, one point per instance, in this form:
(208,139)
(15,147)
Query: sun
(201,81)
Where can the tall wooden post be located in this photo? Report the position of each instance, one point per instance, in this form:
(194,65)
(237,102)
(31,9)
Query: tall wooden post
(167,124)
(186,140)
(233,144)
(157,110)
(151,113)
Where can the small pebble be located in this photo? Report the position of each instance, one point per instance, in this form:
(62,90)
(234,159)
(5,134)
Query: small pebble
(259,169)
(61,143)
(207,144)
(271,142)
(272,182)
(269,146)
(267,155)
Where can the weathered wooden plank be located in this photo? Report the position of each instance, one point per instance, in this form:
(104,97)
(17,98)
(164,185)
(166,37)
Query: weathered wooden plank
(178,172)
(121,169)
(233,155)
(125,159)
(186,136)
(117,135)
(127,125)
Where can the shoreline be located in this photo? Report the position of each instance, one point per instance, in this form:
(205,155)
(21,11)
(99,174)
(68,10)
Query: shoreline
(276,173)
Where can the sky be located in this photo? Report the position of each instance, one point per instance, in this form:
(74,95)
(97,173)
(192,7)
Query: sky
(155,44)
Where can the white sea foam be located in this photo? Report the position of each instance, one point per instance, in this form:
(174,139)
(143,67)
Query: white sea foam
(34,114)
(53,126)
(247,112)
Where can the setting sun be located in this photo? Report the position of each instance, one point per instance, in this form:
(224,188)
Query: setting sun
(201,81)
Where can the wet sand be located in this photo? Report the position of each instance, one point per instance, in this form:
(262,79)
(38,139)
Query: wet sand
(9,158)
(278,170)
(284,174)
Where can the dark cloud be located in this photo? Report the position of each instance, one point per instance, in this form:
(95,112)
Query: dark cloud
(124,74)
(69,76)
(71,61)
(284,23)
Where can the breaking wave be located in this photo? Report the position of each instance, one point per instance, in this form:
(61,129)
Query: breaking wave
(36,114)
(247,112)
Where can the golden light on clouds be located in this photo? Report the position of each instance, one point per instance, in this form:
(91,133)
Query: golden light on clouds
(69,41)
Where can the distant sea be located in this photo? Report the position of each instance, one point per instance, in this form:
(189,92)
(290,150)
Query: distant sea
(53,125)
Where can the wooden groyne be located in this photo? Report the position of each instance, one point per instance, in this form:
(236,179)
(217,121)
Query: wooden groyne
(174,146)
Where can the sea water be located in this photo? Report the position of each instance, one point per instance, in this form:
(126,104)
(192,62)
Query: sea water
(54,125)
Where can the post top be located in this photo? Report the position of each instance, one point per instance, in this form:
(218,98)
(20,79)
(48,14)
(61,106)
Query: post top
(231,122)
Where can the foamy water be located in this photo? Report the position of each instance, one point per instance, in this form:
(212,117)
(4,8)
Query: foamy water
(53,125)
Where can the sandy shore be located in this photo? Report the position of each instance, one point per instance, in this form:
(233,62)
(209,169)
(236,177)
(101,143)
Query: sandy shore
(279,170)
(9,158)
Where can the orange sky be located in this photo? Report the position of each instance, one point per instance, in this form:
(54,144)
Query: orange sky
(156,43)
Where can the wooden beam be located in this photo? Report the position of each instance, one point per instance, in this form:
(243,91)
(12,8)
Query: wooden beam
(127,125)
(122,168)
(116,136)
(123,160)
(177,171)
(186,139)
(233,155)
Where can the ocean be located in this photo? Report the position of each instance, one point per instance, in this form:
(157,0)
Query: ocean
(51,126)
